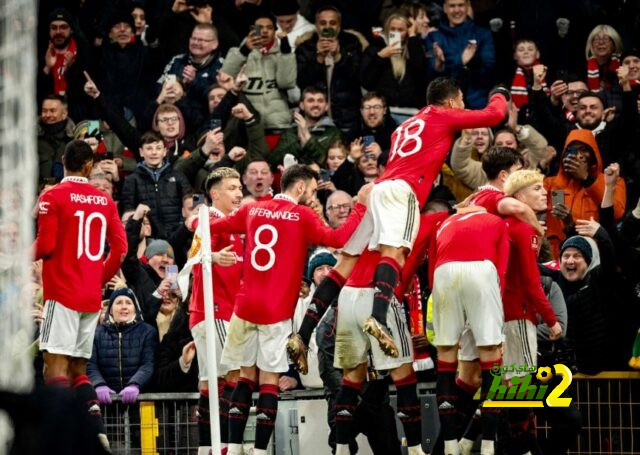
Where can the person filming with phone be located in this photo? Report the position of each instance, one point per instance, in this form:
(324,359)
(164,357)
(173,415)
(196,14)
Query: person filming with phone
(330,58)
(577,191)
(270,67)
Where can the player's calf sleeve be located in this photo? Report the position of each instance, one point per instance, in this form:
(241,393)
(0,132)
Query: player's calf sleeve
(204,418)
(385,281)
(225,402)
(87,396)
(266,411)
(239,409)
(345,408)
(408,409)
(327,291)
(488,416)
(447,397)
(57,381)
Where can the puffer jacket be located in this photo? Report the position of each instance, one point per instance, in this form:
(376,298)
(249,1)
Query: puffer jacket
(123,353)
(344,92)
(477,76)
(270,76)
(52,140)
(162,191)
(582,199)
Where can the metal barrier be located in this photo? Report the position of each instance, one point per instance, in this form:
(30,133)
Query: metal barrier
(165,424)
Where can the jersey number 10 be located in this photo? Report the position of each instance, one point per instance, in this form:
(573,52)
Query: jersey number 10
(84,234)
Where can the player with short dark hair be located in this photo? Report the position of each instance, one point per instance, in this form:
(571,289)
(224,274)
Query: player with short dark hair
(277,235)
(224,191)
(419,147)
(75,223)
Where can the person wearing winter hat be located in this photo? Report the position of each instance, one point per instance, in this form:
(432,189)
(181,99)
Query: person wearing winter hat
(320,263)
(123,351)
(587,271)
(290,22)
(61,64)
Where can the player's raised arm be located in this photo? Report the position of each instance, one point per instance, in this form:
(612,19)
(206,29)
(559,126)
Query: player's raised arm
(322,234)
(495,112)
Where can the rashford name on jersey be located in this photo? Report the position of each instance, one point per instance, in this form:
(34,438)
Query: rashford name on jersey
(88,199)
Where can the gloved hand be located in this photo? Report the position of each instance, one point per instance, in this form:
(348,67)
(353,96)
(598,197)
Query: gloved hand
(104,394)
(502,90)
(130,394)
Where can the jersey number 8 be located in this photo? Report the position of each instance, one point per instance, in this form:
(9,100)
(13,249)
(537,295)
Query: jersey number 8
(84,234)
(268,247)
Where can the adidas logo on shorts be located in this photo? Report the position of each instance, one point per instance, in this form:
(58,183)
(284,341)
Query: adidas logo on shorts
(344,413)
(401,415)
(262,416)
(235,410)
(445,405)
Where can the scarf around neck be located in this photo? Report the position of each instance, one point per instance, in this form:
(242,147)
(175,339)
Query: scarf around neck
(59,69)
(519,92)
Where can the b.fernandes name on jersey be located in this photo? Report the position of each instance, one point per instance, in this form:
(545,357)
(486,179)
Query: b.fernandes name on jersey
(277,215)
(88,199)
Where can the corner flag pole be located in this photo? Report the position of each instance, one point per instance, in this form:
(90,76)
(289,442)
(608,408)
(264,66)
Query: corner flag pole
(209,317)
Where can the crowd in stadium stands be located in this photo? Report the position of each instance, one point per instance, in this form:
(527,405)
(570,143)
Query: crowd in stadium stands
(165,92)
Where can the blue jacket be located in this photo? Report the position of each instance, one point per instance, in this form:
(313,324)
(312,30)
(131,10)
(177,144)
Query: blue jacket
(123,354)
(478,77)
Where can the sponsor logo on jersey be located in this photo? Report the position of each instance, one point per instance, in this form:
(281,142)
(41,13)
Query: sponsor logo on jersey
(43,207)
(88,199)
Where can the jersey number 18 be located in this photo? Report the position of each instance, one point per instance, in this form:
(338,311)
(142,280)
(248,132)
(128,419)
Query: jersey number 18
(406,135)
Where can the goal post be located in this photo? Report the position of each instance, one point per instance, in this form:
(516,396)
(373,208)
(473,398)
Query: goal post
(17,187)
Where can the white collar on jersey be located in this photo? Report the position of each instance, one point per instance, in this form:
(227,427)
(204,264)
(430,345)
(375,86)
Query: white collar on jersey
(489,187)
(218,213)
(285,197)
(75,179)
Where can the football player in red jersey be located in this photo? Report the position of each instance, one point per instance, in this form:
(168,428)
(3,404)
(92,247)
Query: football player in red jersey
(277,236)
(75,222)
(419,147)
(523,297)
(225,193)
(471,252)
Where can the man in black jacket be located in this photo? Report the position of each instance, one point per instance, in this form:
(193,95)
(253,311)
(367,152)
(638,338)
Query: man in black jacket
(330,59)
(157,185)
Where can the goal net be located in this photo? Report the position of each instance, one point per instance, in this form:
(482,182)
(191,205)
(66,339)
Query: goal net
(17,187)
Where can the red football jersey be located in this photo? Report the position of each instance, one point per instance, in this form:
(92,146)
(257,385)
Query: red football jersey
(226,280)
(474,236)
(488,197)
(523,294)
(277,236)
(75,221)
(420,145)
